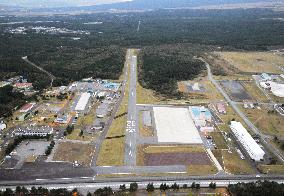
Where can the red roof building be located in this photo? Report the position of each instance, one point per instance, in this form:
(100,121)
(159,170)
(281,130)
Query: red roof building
(23,85)
(27,107)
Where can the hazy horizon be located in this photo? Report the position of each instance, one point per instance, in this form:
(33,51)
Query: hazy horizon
(57,3)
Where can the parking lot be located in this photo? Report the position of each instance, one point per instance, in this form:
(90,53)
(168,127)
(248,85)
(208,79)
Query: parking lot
(28,148)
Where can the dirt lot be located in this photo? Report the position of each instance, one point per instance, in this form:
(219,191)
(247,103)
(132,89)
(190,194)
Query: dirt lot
(173,155)
(71,152)
(209,90)
(156,159)
(253,61)
(236,91)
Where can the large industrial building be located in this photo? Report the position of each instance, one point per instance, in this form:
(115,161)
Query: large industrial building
(83,101)
(250,145)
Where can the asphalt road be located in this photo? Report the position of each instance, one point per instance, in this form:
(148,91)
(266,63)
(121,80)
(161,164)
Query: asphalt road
(271,148)
(90,184)
(102,136)
(132,122)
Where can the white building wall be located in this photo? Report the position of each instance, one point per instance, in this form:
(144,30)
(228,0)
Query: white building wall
(252,148)
(83,101)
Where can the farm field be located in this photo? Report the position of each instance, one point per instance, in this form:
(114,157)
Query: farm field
(254,62)
(74,151)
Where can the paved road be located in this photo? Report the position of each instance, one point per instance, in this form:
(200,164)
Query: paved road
(132,122)
(102,136)
(274,150)
(52,77)
(89,183)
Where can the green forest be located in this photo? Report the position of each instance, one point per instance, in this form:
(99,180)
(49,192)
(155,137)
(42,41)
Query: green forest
(168,38)
(9,100)
(161,67)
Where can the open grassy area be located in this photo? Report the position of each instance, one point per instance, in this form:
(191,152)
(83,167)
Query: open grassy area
(145,96)
(271,169)
(75,135)
(254,61)
(234,164)
(268,123)
(219,140)
(87,120)
(197,170)
(71,152)
(112,152)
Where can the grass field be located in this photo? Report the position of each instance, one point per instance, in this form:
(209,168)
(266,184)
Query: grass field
(268,123)
(145,96)
(219,140)
(254,61)
(75,135)
(271,169)
(201,170)
(71,152)
(234,164)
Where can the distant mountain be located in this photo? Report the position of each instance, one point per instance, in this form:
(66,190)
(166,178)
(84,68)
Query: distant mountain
(61,6)
(161,4)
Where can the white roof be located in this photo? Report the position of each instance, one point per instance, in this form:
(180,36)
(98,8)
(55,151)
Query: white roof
(277,89)
(252,148)
(81,105)
(175,125)
(2,126)
(195,87)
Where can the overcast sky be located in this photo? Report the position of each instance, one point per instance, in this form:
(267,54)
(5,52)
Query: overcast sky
(51,3)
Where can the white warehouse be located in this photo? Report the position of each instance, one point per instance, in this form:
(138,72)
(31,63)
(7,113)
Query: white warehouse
(83,101)
(252,148)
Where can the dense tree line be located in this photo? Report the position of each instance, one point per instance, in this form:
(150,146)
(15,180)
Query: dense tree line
(257,188)
(23,191)
(162,67)
(9,100)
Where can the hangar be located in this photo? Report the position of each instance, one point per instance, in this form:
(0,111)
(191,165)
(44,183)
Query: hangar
(83,101)
(175,125)
(250,145)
